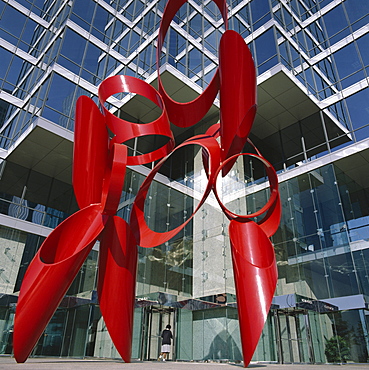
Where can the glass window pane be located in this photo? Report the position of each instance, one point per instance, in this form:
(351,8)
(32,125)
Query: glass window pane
(349,66)
(336,24)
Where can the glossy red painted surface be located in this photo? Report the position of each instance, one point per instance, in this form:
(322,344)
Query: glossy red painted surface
(270,209)
(62,254)
(237,94)
(125,130)
(114,179)
(99,167)
(117,283)
(255,275)
(90,152)
(144,235)
(189,113)
(254,266)
(50,274)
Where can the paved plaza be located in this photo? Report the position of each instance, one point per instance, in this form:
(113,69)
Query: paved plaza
(49,363)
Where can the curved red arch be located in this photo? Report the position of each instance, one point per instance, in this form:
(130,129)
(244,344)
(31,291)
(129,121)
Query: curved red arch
(186,114)
(148,238)
(125,130)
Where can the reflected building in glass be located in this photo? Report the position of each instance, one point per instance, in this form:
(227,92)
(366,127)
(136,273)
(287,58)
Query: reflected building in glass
(312,124)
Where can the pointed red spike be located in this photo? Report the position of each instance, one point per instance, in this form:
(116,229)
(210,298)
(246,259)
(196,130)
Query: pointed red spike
(255,274)
(50,274)
(117,283)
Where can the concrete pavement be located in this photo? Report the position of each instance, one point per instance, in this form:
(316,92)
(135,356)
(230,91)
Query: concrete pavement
(50,363)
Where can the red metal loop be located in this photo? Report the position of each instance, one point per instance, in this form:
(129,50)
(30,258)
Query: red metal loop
(271,208)
(148,238)
(214,130)
(125,130)
(186,114)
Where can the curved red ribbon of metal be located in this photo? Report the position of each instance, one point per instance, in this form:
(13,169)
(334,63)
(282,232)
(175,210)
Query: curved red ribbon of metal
(273,182)
(50,274)
(117,259)
(114,179)
(237,94)
(90,152)
(255,275)
(117,283)
(270,222)
(62,254)
(253,257)
(148,238)
(186,114)
(125,130)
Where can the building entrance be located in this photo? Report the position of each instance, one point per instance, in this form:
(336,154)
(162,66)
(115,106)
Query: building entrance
(294,342)
(155,320)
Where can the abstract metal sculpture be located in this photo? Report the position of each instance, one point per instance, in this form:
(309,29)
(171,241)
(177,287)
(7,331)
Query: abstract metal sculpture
(99,166)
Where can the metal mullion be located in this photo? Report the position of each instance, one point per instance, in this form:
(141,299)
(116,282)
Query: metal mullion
(309,338)
(298,337)
(203,46)
(277,324)
(187,42)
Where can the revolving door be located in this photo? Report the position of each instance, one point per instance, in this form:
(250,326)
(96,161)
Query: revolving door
(156,318)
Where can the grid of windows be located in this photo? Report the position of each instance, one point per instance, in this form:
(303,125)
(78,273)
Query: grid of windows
(92,40)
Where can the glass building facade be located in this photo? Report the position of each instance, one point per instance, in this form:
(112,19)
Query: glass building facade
(312,124)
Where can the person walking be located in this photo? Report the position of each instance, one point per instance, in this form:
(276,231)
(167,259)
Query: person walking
(166,342)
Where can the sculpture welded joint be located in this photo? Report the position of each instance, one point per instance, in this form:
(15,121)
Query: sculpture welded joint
(99,166)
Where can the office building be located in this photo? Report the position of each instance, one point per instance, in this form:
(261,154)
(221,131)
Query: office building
(312,124)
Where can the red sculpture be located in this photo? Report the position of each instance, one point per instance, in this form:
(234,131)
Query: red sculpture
(99,166)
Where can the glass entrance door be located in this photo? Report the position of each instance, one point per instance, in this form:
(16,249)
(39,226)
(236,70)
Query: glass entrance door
(156,319)
(293,336)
